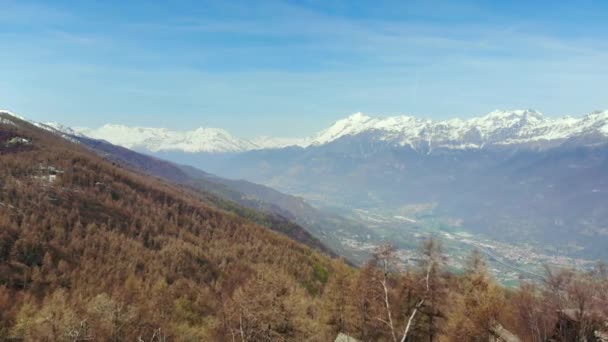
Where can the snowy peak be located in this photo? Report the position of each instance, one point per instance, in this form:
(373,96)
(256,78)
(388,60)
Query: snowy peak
(519,114)
(202,139)
(499,119)
(266,142)
(351,125)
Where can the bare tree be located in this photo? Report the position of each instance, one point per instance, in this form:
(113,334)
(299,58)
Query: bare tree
(384,259)
(419,304)
(157,336)
(384,256)
(81,333)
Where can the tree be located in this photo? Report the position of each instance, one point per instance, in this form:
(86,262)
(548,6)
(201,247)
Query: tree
(398,314)
(533,315)
(337,305)
(267,308)
(476,307)
(433,293)
(53,321)
(114,319)
(384,258)
(368,303)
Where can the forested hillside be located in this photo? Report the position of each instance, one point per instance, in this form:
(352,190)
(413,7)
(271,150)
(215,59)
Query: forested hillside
(213,193)
(89,248)
(92,251)
(281,212)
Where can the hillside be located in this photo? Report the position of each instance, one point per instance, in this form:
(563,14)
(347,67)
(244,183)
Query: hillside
(213,193)
(83,237)
(281,212)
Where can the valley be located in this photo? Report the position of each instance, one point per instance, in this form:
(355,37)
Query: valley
(509,262)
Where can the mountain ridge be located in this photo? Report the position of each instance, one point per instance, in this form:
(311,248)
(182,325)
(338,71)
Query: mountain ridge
(497,128)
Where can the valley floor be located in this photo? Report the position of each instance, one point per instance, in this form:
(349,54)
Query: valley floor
(508,262)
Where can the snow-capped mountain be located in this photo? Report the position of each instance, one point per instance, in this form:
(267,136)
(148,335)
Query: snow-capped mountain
(161,139)
(496,128)
(202,139)
(515,127)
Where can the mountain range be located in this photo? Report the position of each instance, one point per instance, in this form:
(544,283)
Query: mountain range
(498,128)
(514,176)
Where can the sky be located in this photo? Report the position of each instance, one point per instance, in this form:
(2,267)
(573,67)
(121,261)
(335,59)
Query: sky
(291,68)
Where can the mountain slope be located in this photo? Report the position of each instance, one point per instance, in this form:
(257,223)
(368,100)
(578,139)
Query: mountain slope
(214,194)
(283,213)
(280,212)
(552,197)
(112,254)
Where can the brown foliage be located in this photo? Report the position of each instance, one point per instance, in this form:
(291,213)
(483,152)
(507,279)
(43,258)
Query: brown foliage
(85,242)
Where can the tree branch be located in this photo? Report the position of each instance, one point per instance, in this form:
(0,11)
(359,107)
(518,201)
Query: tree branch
(420,303)
(388,308)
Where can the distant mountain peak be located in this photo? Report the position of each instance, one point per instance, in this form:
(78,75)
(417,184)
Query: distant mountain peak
(515,112)
(201,139)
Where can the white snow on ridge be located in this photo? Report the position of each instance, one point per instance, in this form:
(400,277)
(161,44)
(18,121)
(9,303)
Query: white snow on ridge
(161,139)
(8,112)
(56,127)
(497,127)
(352,125)
(265,142)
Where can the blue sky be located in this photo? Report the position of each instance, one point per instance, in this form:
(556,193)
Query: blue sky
(290,68)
